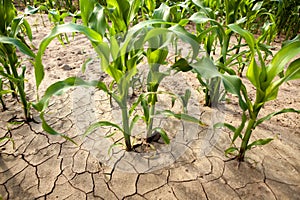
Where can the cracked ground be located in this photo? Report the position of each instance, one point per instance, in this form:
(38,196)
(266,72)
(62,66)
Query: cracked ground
(193,166)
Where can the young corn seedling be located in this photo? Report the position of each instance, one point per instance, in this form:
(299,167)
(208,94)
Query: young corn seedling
(264,78)
(11,30)
(158,40)
(3,92)
(119,59)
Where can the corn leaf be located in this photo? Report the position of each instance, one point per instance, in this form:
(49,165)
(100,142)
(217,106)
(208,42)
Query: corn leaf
(134,8)
(3,139)
(229,126)
(230,150)
(187,37)
(206,68)
(282,57)
(133,121)
(163,134)
(269,116)
(86,9)
(92,35)
(60,86)
(181,65)
(46,127)
(97,20)
(182,116)
(17,43)
(99,124)
(259,142)
(246,35)
(293,71)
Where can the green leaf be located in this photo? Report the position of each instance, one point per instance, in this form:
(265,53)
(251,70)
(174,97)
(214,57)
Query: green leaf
(134,8)
(259,142)
(238,131)
(206,68)
(163,134)
(2,92)
(30,10)
(60,86)
(269,116)
(92,35)
(293,71)
(3,139)
(182,65)
(229,126)
(114,145)
(245,34)
(163,12)
(187,37)
(230,150)
(17,43)
(133,121)
(232,83)
(281,58)
(97,20)
(96,125)
(182,116)
(86,9)
(84,65)
(46,127)
(253,73)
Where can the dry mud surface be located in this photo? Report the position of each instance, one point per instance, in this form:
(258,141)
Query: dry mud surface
(193,166)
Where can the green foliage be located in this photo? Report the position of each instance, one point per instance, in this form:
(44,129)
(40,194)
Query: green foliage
(12,29)
(263,78)
(123,33)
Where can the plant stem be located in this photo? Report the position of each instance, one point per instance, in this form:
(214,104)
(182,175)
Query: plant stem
(3,104)
(125,120)
(20,87)
(245,139)
(150,121)
(11,84)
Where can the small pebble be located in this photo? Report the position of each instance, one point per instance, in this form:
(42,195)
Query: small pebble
(67,67)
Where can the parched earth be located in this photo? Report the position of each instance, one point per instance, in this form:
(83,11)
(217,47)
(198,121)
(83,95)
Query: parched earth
(193,166)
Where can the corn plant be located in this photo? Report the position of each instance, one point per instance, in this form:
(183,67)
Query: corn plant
(287,13)
(157,53)
(264,78)
(120,56)
(3,92)
(12,29)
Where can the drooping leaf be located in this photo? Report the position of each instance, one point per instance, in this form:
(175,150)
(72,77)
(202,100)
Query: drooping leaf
(181,65)
(206,68)
(46,127)
(259,142)
(97,20)
(19,44)
(231,150)
(92,35)
(182,116)
(245,34)
(163,134)
(269,116)
(293,71)
(281,58)
(58,87)
(229,126)
(99,124)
